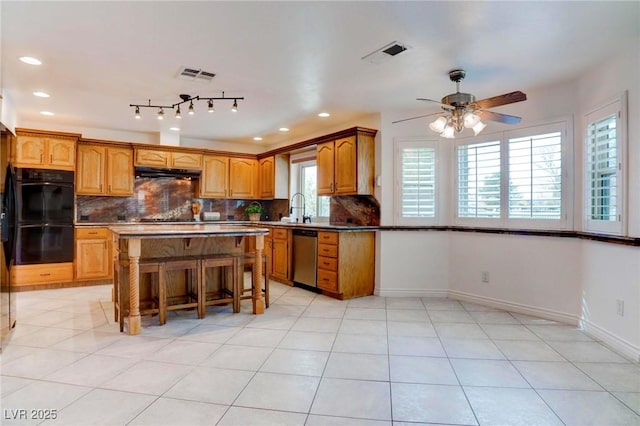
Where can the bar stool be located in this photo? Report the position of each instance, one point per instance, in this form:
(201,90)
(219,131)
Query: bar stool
(229,282)
(158,302)
(193,296)
(249,259)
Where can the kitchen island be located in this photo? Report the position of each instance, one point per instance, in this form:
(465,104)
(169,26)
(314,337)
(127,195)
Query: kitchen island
(133,242)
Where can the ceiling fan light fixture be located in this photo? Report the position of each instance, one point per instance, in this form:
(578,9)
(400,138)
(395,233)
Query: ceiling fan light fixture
(478,127)
(449,132)
(439,124)
(470,119)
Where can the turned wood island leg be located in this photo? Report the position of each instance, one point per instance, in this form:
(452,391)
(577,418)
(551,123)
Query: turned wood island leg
(134,286)
(258,300)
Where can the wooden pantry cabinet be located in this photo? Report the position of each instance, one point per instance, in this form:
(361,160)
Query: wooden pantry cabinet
(346,165)
(346,262)
(168,159)
(93,254)
(104,170)
(229,177)
(44,150)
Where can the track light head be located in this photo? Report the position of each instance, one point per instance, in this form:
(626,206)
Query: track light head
(138,113)
(178,113)
(210,109)
(234,108)
(160,114)
(191,110)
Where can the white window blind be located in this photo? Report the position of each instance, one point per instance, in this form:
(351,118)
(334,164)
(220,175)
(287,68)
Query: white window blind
(479,180)
(535,177)
(416,182)
(604,174)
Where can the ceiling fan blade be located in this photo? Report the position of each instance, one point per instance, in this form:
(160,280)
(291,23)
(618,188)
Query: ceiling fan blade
(446,106)
(414,118)
(501,118)
(507,98)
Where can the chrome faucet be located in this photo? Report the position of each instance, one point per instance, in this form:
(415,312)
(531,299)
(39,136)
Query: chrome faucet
(305,218)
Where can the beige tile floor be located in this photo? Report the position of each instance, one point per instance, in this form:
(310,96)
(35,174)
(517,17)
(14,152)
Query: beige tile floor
(309,360)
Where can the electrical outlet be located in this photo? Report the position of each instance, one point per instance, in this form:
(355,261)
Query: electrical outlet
(620,307)
(484,277)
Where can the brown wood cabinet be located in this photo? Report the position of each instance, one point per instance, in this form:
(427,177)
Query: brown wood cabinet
(214,181)
(34,276)
(346,263)
(104,170)
(168,159)
(274,177)
(281,253)
(346,165)
(93,254)
(229,177)
(243,178)
(44,151)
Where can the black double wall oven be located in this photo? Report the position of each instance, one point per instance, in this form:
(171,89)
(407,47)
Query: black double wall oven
(40,216)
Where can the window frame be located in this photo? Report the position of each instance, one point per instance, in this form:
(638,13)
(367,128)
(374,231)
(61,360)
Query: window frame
(617,106)
(399,144)
(565,127)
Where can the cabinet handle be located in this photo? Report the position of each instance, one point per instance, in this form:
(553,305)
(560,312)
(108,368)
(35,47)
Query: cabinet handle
(109,188)
(325,263)
(41,157)
(105,245)
(51,158)
(93,233)
(45,275)
(100,187)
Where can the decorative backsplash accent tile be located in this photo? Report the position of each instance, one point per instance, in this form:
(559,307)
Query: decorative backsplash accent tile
(362,210)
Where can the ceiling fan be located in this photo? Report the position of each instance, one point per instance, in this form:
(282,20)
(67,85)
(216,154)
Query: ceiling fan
(461,110)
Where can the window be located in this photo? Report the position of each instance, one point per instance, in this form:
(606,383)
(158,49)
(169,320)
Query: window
(479,180)
(603,169)
(416,164)
(514,179)
(314,205)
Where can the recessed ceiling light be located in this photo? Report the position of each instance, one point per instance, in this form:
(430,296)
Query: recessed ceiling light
(324,114)
(257,138)
(175,129)
(31,61)
(41,94)
(284,129)
(46,113)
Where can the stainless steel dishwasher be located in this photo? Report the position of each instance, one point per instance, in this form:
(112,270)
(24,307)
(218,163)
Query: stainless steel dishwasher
(305,256)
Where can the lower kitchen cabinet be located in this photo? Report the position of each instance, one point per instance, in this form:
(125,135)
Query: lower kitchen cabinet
(281,245)
(32,277)
(346,263)
(93,254)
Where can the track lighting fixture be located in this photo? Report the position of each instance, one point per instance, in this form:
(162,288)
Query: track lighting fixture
(191,109)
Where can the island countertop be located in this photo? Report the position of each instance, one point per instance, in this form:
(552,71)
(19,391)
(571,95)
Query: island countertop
(183,230)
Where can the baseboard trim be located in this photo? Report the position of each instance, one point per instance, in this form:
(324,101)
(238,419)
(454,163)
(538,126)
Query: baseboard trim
(616,343)
(516,307)
(411,292)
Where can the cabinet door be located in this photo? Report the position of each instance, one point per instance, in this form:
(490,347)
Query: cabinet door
(119,171)
(215,174)
(242,178)
(90,173)
(62,153)
(186,160)
(30,151)
(280,259)
(92,259)
(152,157)
(325,162)
(346,173)
(267,177)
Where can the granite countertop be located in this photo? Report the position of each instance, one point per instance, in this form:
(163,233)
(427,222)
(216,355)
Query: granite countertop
(319,226)
(164,230)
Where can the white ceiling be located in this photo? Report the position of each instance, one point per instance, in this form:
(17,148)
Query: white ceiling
(290,60)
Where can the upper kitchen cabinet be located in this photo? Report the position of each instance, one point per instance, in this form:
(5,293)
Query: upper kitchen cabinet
(274,177)
(214,181)
(104,170)
(168,159)
(44,150)
(243,178)
(229,177)
(346,164)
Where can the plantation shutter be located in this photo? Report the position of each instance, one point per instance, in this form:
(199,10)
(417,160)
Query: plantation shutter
(417,182)
(479,180)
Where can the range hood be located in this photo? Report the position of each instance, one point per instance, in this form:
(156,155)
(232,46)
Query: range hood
(156,172)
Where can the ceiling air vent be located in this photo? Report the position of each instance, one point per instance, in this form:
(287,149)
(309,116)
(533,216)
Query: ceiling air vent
(192,74)
(385,52)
